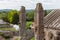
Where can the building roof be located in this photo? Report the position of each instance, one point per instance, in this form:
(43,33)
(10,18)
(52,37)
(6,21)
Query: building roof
(52,20)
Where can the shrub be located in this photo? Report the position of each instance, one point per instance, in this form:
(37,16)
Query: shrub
(28,23)
(32,38)
(30,16)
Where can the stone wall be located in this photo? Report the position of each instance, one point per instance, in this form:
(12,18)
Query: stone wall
(51,34)
(16,33)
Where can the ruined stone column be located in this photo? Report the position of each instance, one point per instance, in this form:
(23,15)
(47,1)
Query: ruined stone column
(25,34)
(38,19)
(22,23)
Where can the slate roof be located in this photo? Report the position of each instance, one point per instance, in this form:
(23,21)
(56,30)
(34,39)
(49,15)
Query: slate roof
(52,20)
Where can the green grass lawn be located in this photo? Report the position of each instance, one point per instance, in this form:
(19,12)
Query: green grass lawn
(0,16)
(11,29)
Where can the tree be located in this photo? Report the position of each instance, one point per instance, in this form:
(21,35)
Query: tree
(45,12)
(30,16)
(10,16)
(15,18)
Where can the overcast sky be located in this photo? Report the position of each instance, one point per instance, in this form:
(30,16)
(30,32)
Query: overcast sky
(29,4)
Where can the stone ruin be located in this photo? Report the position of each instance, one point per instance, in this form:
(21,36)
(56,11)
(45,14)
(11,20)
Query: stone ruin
(45,28)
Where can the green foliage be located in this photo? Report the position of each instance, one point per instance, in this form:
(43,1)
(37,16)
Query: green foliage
(17,38)
(47,12)
(28,23)
(11,17)
(11,29)
(7,36)
(30,16)
(1,33)
(32,38)
(15,18)
(0,16)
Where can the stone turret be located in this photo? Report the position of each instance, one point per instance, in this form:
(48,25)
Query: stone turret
(22,23)
(38,19)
